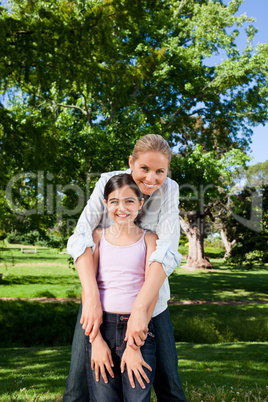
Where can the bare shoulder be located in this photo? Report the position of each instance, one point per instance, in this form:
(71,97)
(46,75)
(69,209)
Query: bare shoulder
(96,235)
(150,238)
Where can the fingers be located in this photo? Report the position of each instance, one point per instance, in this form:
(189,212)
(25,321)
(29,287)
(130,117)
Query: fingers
(140,376)
(103,373)
(101,368)
(94,332)
(122,366)
(136,341)
(139,341)
(146,365)
(132,344)
(130,377)
(139,379)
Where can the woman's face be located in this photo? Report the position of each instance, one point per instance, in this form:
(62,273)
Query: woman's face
(149,170)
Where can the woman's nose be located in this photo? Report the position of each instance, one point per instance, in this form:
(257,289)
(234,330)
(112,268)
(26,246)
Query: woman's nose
(150,177)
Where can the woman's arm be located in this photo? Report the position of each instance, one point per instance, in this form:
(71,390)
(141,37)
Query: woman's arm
(81,246)
(142,310)
(87,267)
(162,262)
(132,356)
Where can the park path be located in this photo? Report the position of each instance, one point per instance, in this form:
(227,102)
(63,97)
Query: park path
(171,302)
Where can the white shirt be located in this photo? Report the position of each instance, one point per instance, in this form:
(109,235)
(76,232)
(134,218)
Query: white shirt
(161,216)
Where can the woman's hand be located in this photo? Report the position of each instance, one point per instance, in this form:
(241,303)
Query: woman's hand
(91,317)
(101,358)
(137,329)
(134,361)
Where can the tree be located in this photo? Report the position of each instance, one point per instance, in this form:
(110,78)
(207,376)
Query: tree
(205,180)
(251,239)
(96,75)
(257,175)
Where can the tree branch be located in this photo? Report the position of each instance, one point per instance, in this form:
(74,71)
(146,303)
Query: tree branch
(73,107)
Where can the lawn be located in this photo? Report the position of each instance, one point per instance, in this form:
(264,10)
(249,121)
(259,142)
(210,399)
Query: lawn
(222,372)
(221,348)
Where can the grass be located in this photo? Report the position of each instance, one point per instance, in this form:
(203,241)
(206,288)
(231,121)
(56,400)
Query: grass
(219,284)
(44,274)
(219,357)
(222,372)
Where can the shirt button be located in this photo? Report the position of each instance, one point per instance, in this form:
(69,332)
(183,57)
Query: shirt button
(121,318)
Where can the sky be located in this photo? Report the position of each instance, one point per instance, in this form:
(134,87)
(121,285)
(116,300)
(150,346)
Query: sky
(259,10)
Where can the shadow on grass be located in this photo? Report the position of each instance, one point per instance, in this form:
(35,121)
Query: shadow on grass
(35,369)
(210,324)
(37,279)
(207,285)
(220,364)
(204,369)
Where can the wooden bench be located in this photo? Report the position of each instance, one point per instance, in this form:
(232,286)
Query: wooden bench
(28,250)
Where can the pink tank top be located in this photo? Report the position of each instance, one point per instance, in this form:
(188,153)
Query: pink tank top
(121,274)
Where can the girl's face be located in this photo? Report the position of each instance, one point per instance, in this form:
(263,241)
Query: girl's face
(149,170)
(123,205)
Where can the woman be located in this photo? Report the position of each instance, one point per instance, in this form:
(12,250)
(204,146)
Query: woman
(149,164)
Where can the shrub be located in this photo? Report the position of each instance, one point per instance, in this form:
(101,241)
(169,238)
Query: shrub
(36,238)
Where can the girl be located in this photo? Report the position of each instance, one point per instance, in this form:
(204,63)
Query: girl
(149,164)
(120,261)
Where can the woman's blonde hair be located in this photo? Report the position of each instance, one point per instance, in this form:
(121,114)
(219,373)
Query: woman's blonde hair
(152,142)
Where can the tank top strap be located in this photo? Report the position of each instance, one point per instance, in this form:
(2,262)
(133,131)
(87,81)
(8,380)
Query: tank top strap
(143,234)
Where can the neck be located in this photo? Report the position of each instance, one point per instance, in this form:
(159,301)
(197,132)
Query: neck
(124,230)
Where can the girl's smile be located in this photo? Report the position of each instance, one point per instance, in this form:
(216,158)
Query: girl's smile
(123,205)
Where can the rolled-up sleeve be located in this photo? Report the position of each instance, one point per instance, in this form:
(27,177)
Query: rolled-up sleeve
(88,221)
(168,232)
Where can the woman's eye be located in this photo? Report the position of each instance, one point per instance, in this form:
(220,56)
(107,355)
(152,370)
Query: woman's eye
(144,168)
(160,171)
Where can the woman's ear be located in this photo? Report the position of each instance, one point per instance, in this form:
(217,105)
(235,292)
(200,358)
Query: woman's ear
(130,162)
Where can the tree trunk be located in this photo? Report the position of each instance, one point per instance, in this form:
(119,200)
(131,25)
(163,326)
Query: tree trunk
(196,255)
(227,244)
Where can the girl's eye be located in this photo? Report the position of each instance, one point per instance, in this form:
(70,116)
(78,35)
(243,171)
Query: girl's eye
(160,171)
(130,201)
(113,202)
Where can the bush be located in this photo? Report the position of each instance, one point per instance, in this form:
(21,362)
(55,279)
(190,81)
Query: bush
(39,323)
(35,238)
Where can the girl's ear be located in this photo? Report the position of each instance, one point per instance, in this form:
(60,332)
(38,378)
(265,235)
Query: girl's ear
(105,202)
(141,203)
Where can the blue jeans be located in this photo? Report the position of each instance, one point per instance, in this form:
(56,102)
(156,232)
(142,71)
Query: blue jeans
(118,389)
(167,383)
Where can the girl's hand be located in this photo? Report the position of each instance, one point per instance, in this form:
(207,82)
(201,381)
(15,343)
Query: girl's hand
(101,358)
(135,362)
(91,317)
(137,329)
